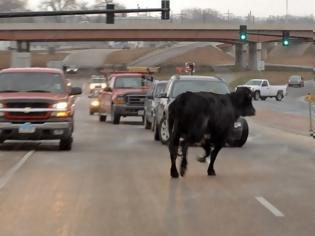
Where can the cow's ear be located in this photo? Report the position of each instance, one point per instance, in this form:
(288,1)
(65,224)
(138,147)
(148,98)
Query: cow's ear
(239,97)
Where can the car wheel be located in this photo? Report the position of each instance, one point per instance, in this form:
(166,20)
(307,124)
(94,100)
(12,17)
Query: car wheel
(115,118)
(244,136)
(66,144)
(102,118)
(91,113)
(279,96)
(156,132)
(163,131)
(256,95)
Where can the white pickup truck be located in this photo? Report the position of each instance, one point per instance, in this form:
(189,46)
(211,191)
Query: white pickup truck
(262,89)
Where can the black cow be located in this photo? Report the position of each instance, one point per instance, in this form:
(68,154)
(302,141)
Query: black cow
(205,118)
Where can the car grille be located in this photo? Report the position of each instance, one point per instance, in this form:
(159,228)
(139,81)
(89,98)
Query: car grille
(136,100)
(27,115)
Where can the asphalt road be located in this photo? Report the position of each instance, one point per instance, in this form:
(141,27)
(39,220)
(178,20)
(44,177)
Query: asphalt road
(116,181)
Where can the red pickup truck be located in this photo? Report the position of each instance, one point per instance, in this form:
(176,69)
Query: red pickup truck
(36,104)
(124,95)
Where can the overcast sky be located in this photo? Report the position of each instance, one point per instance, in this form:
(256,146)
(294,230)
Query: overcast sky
(237,7)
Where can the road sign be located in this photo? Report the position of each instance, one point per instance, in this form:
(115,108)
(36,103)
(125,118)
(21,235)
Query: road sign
(310,98)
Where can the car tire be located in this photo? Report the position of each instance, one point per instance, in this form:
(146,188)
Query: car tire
(102,118)
(256,95)
(163,131)
(244,136)
(279,96)
(156,133)
(115,117)
(66,144)
(91,113)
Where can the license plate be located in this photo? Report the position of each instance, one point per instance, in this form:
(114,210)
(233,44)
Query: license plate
(26,128)
(141,113)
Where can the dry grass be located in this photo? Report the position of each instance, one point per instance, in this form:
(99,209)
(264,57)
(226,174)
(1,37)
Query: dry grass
(202,56)
(38,59)
(127,55)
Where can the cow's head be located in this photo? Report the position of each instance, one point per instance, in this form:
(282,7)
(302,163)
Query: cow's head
(242,101)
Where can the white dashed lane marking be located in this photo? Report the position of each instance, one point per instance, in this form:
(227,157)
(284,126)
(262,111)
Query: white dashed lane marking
(8,176)
(270,207)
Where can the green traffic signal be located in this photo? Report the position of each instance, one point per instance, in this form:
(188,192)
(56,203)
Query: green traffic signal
(243,37)
(243,33)
(285,38)
(285,42)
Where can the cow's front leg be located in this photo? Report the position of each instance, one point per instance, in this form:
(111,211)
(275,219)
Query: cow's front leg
(214,153)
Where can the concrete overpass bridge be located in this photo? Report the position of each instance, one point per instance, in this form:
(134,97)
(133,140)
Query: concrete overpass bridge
(24,34)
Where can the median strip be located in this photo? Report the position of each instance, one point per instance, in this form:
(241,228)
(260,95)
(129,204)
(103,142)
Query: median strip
(6,178)
(270,207)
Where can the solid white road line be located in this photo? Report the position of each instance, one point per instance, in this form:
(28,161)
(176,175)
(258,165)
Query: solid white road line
(6,178)
(270,207)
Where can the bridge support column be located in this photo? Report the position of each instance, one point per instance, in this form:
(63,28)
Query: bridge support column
(239,56)
(22,56)
(255,56)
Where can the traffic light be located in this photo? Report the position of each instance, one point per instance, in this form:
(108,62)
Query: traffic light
(165,13)
(243,33)
(285,38)
(110,17)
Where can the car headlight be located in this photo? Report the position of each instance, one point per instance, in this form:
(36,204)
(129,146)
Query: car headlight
(103,86)
(61,105)
(237,124)
(92,86)
(1,112)
(95,103)
(119,100)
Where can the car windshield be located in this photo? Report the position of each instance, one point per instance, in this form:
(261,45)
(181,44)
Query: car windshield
(98,81)
(132,82)
(253,82)
(32,82)
(182,86)
(295,78)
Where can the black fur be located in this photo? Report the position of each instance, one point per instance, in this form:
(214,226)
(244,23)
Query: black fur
(205,118)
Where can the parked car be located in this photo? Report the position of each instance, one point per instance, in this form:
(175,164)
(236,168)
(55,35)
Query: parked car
(296,81)
(124,95)
(36,104)
(179,84)
(262,89)
(151,102)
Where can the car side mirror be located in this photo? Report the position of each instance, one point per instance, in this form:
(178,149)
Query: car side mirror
(162,95)
(75,91)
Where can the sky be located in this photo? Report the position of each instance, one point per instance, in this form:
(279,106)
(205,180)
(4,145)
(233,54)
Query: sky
(258,8)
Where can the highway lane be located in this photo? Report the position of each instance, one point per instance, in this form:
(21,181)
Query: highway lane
(116,181)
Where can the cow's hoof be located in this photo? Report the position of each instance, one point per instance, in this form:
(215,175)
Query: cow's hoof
(201,159)
(211,173)
(174,173)
(183,170)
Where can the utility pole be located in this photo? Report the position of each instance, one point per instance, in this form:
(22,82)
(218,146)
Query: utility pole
(287,11)
(228,15)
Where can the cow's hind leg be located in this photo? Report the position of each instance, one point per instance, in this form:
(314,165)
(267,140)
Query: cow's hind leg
(214,153)
(173,149)
(183,164)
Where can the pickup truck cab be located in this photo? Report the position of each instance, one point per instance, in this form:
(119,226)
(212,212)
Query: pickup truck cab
(36,104)
(262,89)
(124,96)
